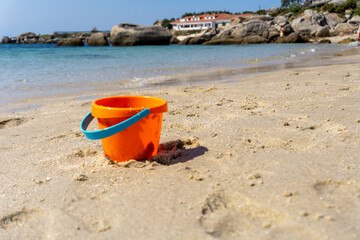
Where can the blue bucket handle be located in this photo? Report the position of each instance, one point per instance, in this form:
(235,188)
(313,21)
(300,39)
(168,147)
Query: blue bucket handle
(107,132)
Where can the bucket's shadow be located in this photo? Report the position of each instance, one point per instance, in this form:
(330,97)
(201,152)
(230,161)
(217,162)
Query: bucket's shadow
(178,151)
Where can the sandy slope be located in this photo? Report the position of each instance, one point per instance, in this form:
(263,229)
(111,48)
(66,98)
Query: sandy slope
(272,156)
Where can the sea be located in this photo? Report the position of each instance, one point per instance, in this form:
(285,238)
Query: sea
(45,70)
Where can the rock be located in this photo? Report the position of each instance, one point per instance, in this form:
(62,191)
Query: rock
(131,35)
(27,34)
(323,32)
(319,19)
(158,23)
(197,40)
(281,21)
(206,36)
(174,40)
(273,10)
(260,17)
(342,28)
(70,42)
(354,21)
(288,15)
(225,41)
(300,25)
(325,41)
(347,40)
(292,38)
(6,40)
(332,19)
(251,28)
(308,14)
(26,38)
(98,39)
(254,39)
(288,29)
(185,41)
(273,34)
(314,17)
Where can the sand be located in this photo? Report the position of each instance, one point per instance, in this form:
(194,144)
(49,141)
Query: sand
(269,156)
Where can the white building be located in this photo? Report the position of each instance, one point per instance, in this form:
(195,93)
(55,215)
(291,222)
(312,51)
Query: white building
(205,21)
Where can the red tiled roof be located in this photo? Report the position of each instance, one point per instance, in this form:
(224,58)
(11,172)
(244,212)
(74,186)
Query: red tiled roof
(220,16)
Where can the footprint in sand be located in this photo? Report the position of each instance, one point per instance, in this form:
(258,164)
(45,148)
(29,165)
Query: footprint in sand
(81,153)
(215,216)
(14,218)
(14,122)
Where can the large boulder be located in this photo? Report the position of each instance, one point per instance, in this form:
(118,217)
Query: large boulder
(314,17)
(250,28)
(323,32)
(28,37)
(98,39)
(308,14)
(332,19)
(132,35)
(354,21)
(288,29)
(344,28)
(301,25)
(70,42)
(281,21)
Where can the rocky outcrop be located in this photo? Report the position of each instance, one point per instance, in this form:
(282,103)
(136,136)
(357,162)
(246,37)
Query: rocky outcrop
(6,40)
(98,39)
(70,42)
(132,35)
(27,37)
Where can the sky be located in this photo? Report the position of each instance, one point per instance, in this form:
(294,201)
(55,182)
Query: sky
(48,16)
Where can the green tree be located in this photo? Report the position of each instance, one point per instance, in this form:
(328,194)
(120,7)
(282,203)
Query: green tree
(166,23)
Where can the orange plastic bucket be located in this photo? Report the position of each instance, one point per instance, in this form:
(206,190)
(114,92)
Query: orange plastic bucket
(138,140)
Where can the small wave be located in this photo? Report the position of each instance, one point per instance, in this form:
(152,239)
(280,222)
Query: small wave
(353,44)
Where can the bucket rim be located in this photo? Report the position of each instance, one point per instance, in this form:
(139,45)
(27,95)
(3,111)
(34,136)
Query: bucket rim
(101,111)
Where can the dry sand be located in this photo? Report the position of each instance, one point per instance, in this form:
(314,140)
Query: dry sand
(272,156)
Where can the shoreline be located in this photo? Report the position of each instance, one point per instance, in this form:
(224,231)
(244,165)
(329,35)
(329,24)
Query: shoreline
(194,77)
(270,156)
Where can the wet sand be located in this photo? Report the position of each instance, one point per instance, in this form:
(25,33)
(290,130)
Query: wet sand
(266,156)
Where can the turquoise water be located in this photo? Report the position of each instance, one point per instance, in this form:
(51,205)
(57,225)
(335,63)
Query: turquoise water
(45,70)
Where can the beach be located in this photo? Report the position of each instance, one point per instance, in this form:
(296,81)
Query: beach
(264,156)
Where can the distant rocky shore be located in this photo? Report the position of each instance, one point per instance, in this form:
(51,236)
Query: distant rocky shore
(311,26)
